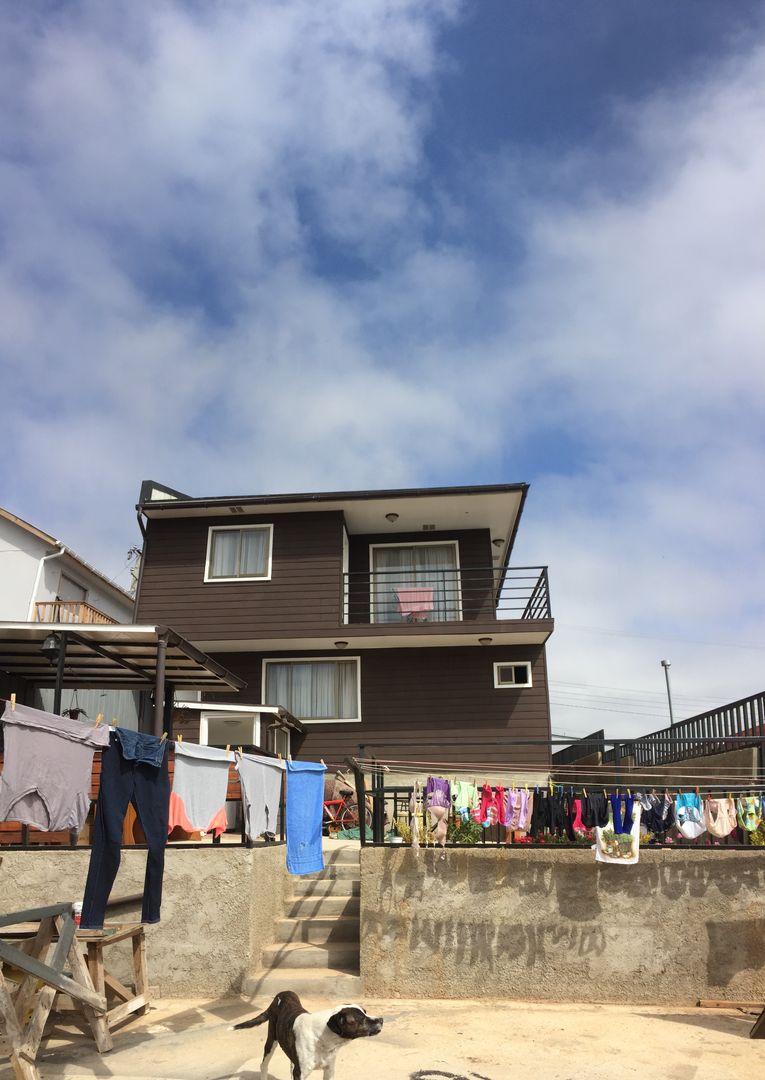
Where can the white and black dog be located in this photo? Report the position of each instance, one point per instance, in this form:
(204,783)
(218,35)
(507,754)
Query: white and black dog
(310,1040)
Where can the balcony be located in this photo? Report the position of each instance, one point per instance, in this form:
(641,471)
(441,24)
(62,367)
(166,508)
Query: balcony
(468,594)
(70,611)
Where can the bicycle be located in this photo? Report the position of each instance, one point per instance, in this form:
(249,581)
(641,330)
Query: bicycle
(343,813)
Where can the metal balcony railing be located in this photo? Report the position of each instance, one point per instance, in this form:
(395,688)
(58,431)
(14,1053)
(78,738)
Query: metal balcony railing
(69,611)
(467,594)
(707,733)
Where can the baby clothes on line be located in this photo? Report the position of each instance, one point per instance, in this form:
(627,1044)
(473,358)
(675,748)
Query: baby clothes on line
(438,801)
(513,809)
(133,770)
(261,780)
(200,783)
(749,812)
(464,799)
(526,811)
(621,848)
(689,815)
(305,809)
(720,816)
(47,773)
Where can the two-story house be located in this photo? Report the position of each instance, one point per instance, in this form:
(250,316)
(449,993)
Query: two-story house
(388,620)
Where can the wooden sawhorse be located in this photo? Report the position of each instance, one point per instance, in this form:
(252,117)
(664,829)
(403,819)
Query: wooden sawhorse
(105,983)
(24,1036)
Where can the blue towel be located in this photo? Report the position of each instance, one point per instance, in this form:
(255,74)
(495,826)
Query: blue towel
(305,809)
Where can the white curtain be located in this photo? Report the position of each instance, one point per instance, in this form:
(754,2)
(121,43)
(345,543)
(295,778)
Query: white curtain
(314,689)
(432,566)
(239,553)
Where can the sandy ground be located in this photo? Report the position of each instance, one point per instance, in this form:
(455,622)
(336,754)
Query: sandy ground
(427,1040)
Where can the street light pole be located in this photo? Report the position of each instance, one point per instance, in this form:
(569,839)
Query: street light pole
(666,665)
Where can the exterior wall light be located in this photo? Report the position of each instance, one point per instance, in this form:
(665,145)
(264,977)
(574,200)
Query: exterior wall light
(498,541)
(392,517)
(485,640)
(341,644)
(51,648)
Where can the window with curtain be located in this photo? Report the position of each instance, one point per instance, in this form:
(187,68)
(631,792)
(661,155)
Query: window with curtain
(314,689)
(239,553)
(415,583)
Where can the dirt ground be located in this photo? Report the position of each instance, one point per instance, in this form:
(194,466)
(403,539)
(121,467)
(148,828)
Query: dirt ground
(426,1040)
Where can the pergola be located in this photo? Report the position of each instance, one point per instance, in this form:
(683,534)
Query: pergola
(114,657)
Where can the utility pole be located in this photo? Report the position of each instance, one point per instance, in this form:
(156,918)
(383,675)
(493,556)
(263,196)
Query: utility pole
(666,665)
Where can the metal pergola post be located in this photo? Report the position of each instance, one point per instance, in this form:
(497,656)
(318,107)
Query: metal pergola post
(59,674)
(159,686)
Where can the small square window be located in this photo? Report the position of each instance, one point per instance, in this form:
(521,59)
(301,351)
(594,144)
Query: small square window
(510,676)
(239,553)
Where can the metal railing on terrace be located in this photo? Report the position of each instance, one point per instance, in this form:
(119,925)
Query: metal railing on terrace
(707,733)
(70,611)
(475,594)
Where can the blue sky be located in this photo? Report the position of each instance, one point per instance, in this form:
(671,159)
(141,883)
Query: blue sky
(265,246)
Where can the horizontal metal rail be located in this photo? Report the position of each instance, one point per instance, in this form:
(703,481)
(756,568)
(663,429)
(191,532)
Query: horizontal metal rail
(446,595)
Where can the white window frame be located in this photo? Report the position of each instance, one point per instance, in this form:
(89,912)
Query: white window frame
(498,685)
(209,714)
(227,528)
(324,660)
(416,543)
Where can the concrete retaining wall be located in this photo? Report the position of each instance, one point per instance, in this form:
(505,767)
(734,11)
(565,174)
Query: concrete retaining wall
(219,908)
(555,926)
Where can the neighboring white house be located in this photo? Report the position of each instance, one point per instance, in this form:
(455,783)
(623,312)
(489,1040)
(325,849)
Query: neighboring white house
(41,580)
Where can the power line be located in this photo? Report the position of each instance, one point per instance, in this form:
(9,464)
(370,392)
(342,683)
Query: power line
(651,637)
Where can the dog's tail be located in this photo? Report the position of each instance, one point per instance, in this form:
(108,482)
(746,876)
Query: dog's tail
(261,1019)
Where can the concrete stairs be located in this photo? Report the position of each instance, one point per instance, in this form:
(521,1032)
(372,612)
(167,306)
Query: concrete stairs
(316,953)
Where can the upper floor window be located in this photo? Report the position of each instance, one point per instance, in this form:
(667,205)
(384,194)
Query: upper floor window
(415,582)
(510,675)
(239,553)
(314,689)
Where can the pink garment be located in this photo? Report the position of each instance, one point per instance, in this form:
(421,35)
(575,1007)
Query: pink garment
(577,824)
(415,602)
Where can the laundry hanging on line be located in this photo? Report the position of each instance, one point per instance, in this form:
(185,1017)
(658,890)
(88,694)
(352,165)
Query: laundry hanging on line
(47,768)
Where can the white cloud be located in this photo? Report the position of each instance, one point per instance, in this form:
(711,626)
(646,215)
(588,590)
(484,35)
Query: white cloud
(163,313)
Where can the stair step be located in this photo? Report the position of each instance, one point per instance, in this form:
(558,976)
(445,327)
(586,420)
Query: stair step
(308,983)
(320,930)
(343,955)
(306,907)
(312,886)
(337,853)
(336,870)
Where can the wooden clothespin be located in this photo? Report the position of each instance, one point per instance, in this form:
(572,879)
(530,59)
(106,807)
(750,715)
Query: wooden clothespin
(584,792)
(164,736)
(629,793)
(289,757)
(321,759)
(279,756)
(228,747)
(179,738)
(13,703)
(99,718)
(240,751)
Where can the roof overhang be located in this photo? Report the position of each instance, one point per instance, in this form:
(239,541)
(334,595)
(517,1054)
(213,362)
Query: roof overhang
(496,507)
(112,657)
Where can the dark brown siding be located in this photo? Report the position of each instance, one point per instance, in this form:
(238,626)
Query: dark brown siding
(429,704)
(475,560)
(303,595)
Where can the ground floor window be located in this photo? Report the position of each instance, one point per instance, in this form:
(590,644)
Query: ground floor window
(314,689)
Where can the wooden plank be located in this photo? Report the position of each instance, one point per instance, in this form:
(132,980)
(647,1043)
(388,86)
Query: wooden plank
(25,963)
(22,1069)
(33,1032)
(95,1016)
(140,967)
(758,1031)
(120,1012)
(37,948)
(721,1003)
(116,987)
(34,914)
(105,938)
(96,968)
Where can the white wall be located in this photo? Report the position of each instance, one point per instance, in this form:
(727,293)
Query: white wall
(20,553)
(99,595)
